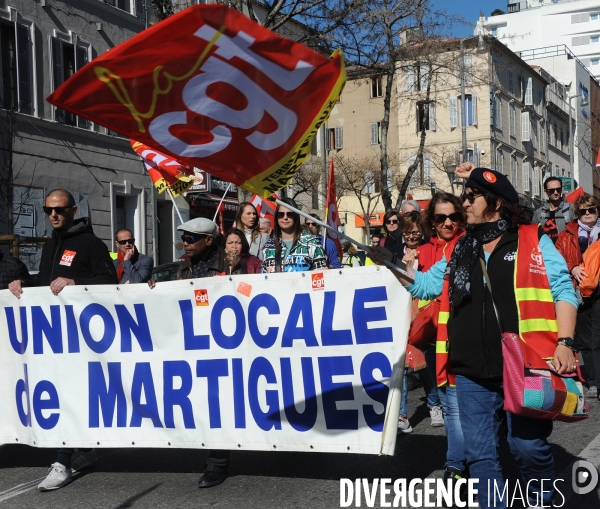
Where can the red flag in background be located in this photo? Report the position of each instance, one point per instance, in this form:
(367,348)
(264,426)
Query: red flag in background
(264,208)
(165,172)
(333,219)
(573,195)
(214,90)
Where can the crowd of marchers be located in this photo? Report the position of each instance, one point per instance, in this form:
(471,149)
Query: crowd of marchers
(448,247)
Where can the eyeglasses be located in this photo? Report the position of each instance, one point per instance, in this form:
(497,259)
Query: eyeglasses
(454,217)
(412,234)
(281,215)
(590,210)
(470,197)
(307,223)
(392,221)
(554,190)
(192,239)
(127,241)
(59,210)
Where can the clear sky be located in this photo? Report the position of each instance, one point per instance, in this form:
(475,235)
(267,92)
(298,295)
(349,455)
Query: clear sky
(469,10)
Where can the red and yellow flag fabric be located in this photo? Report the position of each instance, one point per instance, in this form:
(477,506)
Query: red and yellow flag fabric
(333,218)
(264,208)
(215,90)
(165,172)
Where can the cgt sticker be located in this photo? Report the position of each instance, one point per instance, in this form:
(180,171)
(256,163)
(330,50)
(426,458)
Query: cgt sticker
(318,281)
(67,258)
(201,297)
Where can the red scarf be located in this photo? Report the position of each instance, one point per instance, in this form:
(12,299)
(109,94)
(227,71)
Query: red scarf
(121,259)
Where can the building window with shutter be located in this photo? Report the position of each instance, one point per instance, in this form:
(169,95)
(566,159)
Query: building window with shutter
(334,139)
(499,161)
(513,171)
(498,112)
(470,110)
(425,116)
(513,118)
(526,177)
(16,87)
(525,127)
(375,133)
(377,87)
(67,59)
(536,181)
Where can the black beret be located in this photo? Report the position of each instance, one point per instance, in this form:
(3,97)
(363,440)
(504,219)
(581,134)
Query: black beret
(494,182)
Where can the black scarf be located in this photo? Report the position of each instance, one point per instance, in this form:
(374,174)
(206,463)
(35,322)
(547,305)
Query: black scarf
(467,251)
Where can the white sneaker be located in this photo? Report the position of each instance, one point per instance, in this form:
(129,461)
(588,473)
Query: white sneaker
(437,416)
(404,426)
(80,460)
(57,478)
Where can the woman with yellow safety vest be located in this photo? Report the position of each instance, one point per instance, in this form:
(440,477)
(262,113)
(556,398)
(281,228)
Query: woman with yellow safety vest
(534,296)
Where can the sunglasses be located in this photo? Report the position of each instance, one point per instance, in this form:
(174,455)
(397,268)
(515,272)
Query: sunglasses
(392,221)
(192,239)
(470,197)
(127,241)
(554,190)
(59,210)
(281,215)
(310,224)
(412,234)
(590,210)
(441,218)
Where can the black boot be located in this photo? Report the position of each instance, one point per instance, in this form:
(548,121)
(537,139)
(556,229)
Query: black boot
(455,474)
(212,478)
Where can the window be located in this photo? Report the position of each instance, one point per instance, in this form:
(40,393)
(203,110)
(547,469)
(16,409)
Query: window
(513,171)
(464,67)
(67,59)
(513,115)
(526,167)
(529,92)
(595,38)
(581,18)
(557,171)
(580,41)
(376,87)
(414,179)
(594,16)
(470,110)
(453,108)
(417,77)
(511,81)
(334,139)
(369,183)
(542,132)
(534,133)
(375,133)
(525,126)
(422,174)
(561,140)
(425,116)
(16,85)
(536,181)
(498,112)
(595,61)
(494,31)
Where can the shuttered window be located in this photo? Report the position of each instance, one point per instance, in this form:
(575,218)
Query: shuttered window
(375,133)
(526,167)
(16,78)
(525,126)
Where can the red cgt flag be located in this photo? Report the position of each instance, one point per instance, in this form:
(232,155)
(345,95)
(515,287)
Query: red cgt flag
(212,89)
(333,218)
(264,208)
(165,172)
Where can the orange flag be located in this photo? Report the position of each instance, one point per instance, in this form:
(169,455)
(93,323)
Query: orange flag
(165,172)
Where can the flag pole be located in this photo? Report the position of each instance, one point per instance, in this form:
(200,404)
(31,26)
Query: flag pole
(219,205)
(400,267)
(175,205)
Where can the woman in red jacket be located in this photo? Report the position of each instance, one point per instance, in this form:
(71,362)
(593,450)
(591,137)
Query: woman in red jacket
(444,219)
(572,242)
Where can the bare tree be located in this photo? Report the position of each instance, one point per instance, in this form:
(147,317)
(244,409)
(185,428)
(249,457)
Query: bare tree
(358,177)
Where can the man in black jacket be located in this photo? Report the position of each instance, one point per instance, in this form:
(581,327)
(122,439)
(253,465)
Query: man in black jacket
(72,256)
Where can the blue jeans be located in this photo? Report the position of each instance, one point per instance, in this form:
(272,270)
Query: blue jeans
(481,405)
(455,455)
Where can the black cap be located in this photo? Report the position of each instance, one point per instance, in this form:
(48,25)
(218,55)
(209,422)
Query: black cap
(494,182)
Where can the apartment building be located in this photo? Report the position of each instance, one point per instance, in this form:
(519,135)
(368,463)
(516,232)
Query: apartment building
(43,42)
(515,119)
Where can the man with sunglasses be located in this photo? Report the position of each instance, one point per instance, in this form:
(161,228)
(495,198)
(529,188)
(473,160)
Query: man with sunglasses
(73,255)
(333,258)
(131,265)
(554,215)
(205,258)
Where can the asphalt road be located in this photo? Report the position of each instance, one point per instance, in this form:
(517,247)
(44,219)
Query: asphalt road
(159,478)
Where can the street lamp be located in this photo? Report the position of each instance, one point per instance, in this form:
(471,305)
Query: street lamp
(450,170)
(584,102)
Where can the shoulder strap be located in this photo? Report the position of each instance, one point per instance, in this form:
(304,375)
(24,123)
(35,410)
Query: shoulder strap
(489,285)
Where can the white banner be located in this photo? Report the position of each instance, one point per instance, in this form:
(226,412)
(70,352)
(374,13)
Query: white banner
(292,362)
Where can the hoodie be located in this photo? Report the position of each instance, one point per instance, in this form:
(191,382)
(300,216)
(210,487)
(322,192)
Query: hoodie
(76,254)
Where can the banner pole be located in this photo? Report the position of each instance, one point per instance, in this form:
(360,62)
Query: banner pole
(219,205)
(400,267)
(175,205)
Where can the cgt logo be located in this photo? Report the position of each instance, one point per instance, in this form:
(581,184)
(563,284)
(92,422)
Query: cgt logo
(536,256)
(201,297)
(584,477)
(318,281)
